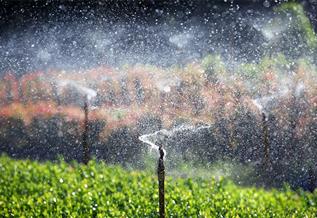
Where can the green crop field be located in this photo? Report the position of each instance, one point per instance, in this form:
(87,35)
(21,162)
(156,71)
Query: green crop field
(32,189)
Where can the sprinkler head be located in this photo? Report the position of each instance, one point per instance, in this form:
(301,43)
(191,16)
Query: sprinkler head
(162,153)
(264,116)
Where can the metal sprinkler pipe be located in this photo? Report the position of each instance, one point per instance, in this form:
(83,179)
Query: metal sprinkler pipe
(161,179)
(86,156)
(266,141)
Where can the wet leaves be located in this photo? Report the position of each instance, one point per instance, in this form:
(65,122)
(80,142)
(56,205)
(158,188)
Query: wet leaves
(32,189)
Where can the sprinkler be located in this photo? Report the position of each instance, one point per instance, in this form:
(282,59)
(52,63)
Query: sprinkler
(164,134)
(160,167)
(263,105)
(86,156)
(88,95)
(266,141)
(161,179)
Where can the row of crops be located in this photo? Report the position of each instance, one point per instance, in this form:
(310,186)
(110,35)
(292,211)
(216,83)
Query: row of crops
(33,189)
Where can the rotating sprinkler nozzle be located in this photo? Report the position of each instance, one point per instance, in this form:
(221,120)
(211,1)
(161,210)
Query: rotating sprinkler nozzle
(161,179)
(86,155)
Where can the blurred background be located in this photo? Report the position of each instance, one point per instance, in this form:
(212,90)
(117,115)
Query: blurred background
(247,69)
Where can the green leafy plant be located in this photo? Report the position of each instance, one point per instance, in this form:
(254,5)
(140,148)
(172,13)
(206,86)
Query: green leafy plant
(32,189)
(302,21)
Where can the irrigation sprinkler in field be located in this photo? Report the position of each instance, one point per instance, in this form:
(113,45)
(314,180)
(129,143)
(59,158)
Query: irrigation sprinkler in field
(88,94)
(86,155)
(160,169)
(164,135)
(266,142)
(86,147)
(161,180)
(261,104)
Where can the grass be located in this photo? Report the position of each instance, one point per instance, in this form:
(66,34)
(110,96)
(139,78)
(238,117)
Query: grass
(33,189)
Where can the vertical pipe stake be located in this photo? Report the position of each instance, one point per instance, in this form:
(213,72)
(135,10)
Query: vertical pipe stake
(86,156)
(266,141)
(161,179)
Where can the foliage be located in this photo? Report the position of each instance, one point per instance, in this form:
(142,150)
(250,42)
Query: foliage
(249,70)
(277,63)
(214,67)
(302,21)
(31,189)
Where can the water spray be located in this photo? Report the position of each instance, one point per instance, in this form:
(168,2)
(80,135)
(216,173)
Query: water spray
(86,156)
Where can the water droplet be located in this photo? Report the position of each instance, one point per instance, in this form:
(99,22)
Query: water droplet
(266,4)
